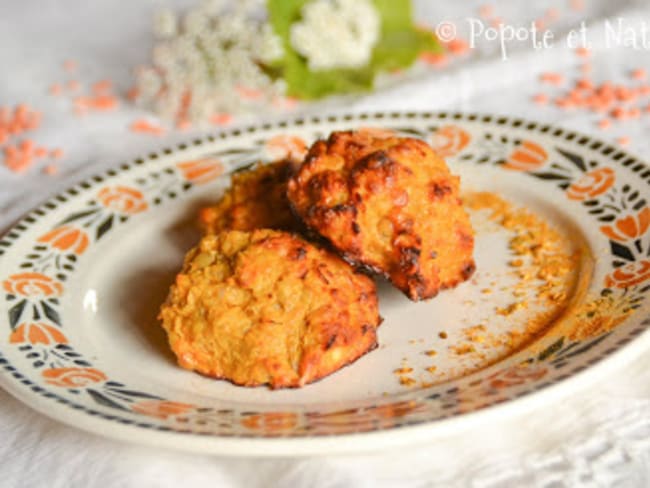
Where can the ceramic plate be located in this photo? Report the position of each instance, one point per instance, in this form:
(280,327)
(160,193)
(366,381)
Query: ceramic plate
(84,274)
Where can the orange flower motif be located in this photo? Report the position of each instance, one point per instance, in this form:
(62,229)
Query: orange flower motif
(286,147)
(516,375)
(526,157)
(271,422)
(122,199)
(338,419)
(449,140)
(397,410)
(629,275)
(66,238)
(628,227)
(201,171)
(377,132)
(592,184)
(32,285)
(73,377)
(37,334)
(161,408)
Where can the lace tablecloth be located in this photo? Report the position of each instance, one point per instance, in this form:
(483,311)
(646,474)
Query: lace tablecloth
(598,437)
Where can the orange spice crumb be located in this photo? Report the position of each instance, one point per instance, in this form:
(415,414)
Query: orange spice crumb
(595,317)
(583,52)
(624,141)
(540,99)
(552,14)
(18,158)
(406,381)
(442,335)
(533,239)
(476,334)
(56,89)
(584,84)
(430,352)
(434,59)
(625,94)
(102,86)
(221,119)
(463,349)
(458,46)
(486,11)
(51,169)
(249,93)
(69,65)
(564,103)
(403,371)
(604,124)
(577,5)
(146,127)
(73,85)
(431,369)
(132,93)
(183,124)
(552,78)
(97,102)
(639,74)
(512,308)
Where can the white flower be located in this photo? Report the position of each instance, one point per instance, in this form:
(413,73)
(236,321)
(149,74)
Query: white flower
(212,7)
(149,84)
(249,7)
(196,22)
(336,33)
(164,24)
(268,47)
(202,66)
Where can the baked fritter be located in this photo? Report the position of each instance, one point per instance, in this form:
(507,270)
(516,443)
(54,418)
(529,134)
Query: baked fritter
(256,199)
(267,307)
(389,204)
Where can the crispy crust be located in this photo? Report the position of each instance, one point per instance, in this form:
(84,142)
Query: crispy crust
(267,307)
(390,205)
(256,199)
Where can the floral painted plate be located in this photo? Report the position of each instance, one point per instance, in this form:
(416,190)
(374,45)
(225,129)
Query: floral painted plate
(562,283)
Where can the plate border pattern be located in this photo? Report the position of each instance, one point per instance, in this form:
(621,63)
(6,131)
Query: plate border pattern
(378,419)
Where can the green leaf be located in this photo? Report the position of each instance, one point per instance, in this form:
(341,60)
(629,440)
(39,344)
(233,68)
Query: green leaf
(400,42)
(399,45)
(550,350)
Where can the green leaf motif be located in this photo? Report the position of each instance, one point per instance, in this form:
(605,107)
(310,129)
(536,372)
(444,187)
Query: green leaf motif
(550,350)
(399,45)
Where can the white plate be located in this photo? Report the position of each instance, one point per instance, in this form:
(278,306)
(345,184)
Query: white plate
(84,274)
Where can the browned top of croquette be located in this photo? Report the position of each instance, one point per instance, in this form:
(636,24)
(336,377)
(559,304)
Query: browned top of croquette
(256,199)
(268,307)
(389,204)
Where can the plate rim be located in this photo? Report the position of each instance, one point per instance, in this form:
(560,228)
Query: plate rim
(309,445)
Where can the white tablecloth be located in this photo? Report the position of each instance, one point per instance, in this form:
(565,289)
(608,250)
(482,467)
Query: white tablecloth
(598,437)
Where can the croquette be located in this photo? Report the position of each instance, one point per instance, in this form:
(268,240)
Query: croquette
(256,199)
(388,204)
(267,307)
